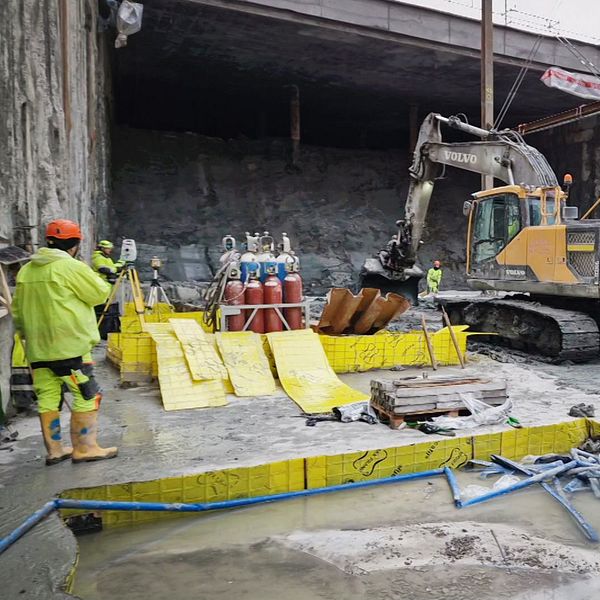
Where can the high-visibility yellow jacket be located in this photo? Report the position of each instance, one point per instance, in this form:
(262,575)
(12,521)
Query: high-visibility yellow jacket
(434,278)
(105,265)
(53,306)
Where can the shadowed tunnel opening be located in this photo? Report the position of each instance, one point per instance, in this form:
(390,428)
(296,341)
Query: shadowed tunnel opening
(202,148)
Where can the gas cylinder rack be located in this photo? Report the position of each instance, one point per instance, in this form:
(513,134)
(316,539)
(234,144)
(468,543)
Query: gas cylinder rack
(262,291)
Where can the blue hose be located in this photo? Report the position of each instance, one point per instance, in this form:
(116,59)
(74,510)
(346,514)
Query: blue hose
(180,507)
(587,529)
(454,487)
(225,504)
(520,485)
(27,524)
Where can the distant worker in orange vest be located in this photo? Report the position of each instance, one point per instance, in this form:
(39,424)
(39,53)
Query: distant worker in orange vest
(434,278)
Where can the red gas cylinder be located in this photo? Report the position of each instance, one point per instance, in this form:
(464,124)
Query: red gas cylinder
(234,294)
(255,295)
(273,293)
(292,293)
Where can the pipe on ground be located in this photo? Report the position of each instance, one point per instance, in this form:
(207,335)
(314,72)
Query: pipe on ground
(58,503)
(27,524)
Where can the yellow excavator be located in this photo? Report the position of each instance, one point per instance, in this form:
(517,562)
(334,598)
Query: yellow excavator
(521,237)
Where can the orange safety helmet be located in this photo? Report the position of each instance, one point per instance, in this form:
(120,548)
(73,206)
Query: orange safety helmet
(437,263)
(63,229)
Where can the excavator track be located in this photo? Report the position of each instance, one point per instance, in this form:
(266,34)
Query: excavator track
(531,326)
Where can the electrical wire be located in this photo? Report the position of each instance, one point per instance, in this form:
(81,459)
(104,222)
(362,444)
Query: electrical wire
(517,83)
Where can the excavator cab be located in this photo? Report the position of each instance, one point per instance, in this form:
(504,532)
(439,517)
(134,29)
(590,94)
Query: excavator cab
(520,239)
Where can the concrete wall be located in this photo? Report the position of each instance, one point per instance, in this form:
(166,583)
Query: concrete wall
(178,194)
(54,90)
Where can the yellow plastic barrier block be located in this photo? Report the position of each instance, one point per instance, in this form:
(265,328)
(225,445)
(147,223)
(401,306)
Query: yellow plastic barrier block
(246,363)
(305,373)
(202,358)
(177,388)
(210,486)
(386,349)
(162,313)
(325,471)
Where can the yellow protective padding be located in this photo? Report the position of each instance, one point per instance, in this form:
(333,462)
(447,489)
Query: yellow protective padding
(305,374)
(162,313)
(324,471)
(210,486)
(246,363)
(177,388)
(327,470)
(203,360)
(547,439)
(134,353)
(386,349)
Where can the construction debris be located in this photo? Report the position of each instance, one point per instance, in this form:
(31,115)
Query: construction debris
(364,313)
(402,397)
(582,410)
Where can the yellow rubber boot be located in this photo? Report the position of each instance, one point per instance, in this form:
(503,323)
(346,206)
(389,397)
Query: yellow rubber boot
(83,436)
(50,422)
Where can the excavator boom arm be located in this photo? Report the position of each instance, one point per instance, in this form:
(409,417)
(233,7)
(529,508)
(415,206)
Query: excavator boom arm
(504,155)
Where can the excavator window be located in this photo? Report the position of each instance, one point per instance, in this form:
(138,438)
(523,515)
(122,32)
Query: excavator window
(497,221)
(535,210)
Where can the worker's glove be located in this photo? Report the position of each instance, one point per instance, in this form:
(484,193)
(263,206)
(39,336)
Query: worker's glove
(111,278)
(120,265)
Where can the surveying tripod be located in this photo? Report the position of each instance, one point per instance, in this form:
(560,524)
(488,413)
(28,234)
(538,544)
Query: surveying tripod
(156,294)
(128,275)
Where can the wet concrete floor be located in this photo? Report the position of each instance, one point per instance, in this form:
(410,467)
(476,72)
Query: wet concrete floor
(156,444)
(400,541)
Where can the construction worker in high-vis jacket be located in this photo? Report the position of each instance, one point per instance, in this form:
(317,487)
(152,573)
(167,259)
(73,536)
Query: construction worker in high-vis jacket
(109,270)
(434,278)
(103,264)
(53,311)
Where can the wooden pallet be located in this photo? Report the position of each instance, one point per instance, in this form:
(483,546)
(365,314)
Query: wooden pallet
(394,420)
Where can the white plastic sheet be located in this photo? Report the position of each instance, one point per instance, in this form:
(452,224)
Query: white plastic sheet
(129,21)
(577,84)
(481,414)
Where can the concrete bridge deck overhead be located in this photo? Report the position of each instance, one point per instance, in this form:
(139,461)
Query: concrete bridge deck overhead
(359,64)
(421,27)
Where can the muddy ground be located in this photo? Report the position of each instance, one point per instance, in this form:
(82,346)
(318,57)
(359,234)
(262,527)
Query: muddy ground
(156,444)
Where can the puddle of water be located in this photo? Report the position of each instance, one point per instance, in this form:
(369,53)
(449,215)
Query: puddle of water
(254,553)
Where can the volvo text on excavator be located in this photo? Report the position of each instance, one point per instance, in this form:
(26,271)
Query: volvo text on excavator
(521,237)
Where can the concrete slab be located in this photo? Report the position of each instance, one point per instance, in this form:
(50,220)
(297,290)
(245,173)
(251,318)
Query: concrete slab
(156,444)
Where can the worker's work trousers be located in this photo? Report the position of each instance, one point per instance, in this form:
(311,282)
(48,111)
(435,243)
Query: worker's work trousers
(111,323)
(77,374)
(21,383)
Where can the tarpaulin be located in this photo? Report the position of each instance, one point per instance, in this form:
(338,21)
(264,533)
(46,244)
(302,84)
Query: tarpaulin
(577,84)
(202,358)
(246,362)
(305,373)
(177,388)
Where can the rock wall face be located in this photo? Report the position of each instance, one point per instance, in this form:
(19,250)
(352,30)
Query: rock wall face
(179,194)
(54,143)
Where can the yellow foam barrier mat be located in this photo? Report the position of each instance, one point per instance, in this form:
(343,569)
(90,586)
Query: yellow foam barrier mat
(246,363)
(200,354)
(305,373)
(163,313)
(177,388)
(386,349)
(327,470)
